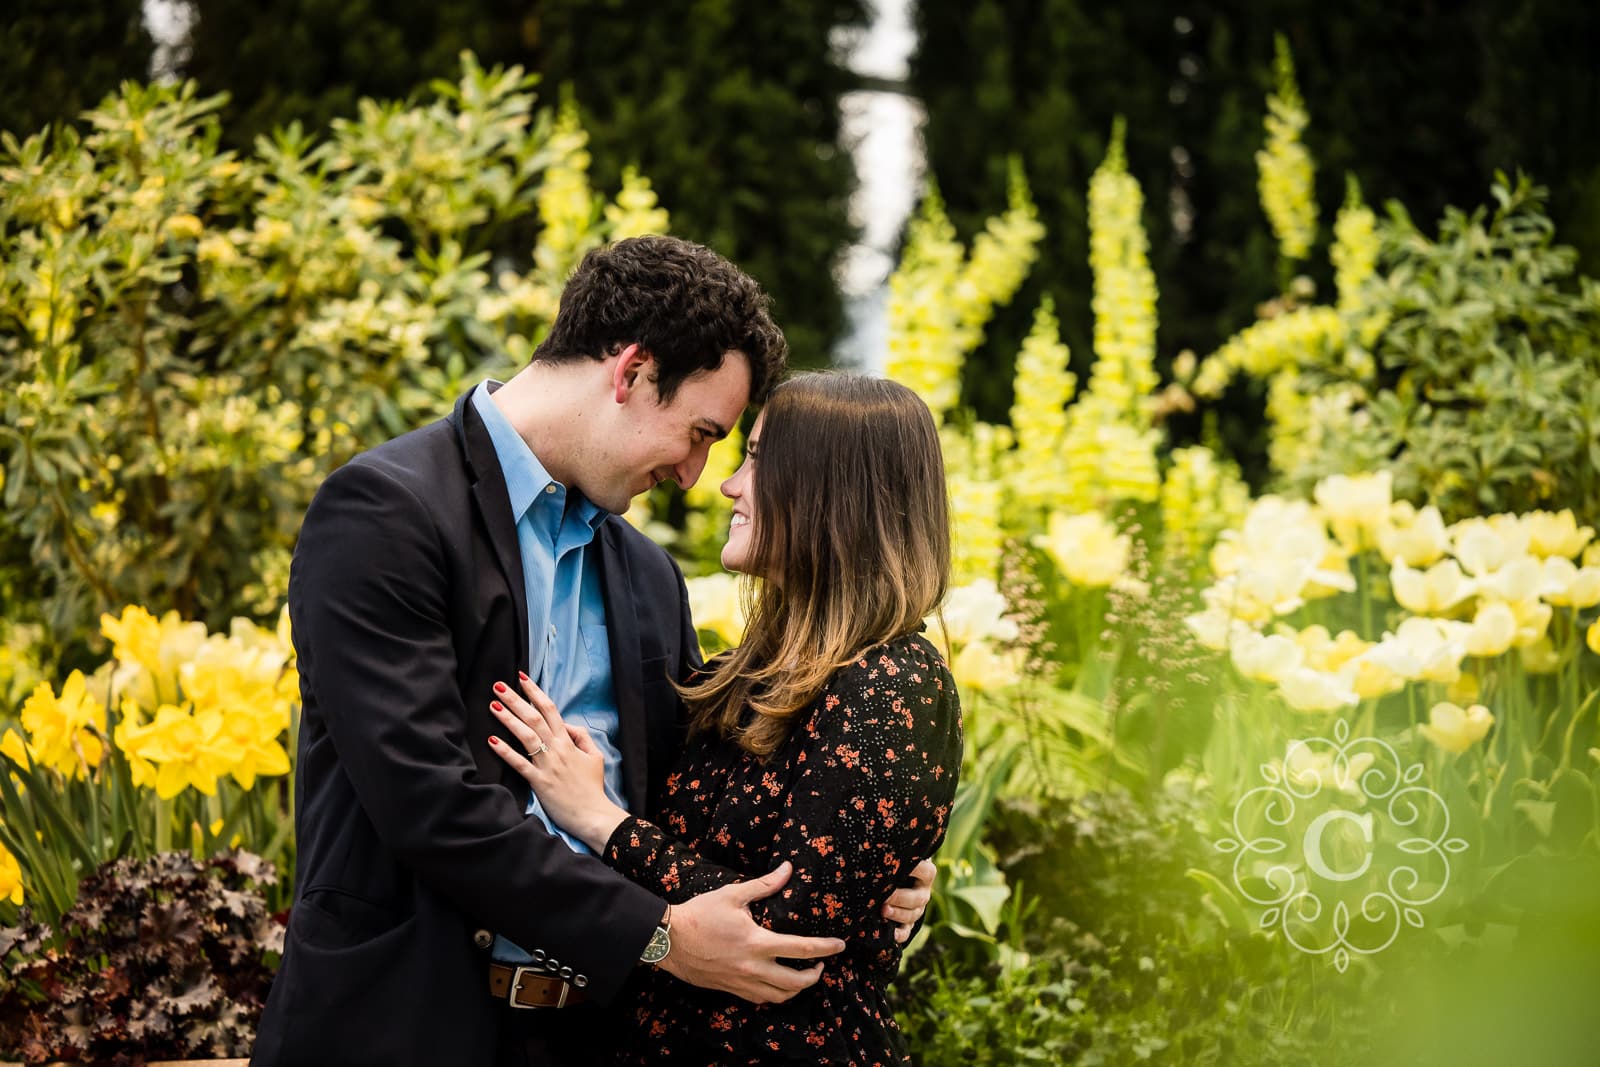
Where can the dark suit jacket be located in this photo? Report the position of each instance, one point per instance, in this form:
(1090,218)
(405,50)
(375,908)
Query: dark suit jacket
(407,601)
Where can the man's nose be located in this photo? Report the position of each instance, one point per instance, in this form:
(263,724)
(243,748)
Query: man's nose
(688,472)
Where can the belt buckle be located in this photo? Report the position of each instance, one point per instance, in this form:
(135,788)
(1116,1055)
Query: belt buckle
(537,972)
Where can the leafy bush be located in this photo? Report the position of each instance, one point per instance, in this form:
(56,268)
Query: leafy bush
(190,341)
(161,958)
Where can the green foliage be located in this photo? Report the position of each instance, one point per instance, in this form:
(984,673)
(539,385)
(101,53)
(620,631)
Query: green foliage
(1121,963)
(190,341)
(1462,90)
(1489,396)
(731,106)
(164,958)
(61,58)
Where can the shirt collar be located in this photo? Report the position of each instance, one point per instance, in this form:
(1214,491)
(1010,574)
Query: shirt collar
(525,476)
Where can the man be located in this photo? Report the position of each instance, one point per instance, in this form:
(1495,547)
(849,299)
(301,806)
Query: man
(439,919)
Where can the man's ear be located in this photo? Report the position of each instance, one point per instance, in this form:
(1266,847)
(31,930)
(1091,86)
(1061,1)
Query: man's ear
(630,372)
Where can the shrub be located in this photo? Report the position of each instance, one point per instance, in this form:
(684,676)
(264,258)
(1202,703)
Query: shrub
(161,958)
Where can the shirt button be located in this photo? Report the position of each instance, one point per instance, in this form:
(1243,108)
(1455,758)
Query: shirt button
(550,488)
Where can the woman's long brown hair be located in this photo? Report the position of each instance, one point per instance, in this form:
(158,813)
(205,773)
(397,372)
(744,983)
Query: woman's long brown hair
(851,543)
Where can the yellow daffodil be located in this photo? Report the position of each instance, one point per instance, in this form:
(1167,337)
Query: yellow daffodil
(1356,506)
(129,737)
(1415,538)
(1430,592)
(14,748)
(1455,730)
(64,732)
(10,877)
(135,637)
(189,748)
(1265,658)
(1087,549)
(1556,535)
(715,605)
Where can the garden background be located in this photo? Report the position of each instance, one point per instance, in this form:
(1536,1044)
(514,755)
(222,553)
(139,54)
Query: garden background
(1266,351)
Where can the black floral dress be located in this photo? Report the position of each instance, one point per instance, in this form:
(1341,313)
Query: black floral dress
(857,796)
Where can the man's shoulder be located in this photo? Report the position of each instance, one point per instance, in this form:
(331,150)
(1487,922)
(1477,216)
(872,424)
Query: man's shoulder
(641,553)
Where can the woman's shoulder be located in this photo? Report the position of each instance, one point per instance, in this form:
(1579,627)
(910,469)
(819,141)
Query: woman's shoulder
(909,662)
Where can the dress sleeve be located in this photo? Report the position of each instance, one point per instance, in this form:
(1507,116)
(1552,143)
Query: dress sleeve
(876,775)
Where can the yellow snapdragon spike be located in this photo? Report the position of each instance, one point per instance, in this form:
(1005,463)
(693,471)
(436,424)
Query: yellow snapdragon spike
(1287,194)
(1200,497)
(1355,248)
(636,211)
(1043,387)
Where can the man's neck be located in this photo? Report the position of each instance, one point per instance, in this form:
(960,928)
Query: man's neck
(543,404)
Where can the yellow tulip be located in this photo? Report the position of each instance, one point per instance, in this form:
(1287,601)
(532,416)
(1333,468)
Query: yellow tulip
(1568,586)
(1305,768)
(1455,730)
(979,668)
(1356,506)
(1415,538)
(1533,620)
(1436,646)
(1214,628)
(1592,638)
(1485,545)
(1087,549)
(1304,689)
(1264,658)
(975,612)
(1430,592)
(1556,535)
(1493,631)
(1522,578)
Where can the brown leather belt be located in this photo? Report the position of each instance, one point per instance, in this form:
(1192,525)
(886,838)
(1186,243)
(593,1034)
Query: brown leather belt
(529,987)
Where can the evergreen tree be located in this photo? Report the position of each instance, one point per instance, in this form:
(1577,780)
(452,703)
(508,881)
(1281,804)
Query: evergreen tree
(730,107)
(63,56)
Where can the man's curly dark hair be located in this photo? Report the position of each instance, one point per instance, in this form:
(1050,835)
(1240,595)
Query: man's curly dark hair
(681,302)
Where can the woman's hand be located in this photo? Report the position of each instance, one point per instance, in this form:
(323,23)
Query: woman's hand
(560,762)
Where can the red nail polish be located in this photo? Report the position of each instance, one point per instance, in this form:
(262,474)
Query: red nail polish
(497,706)
(524,677)
(494,740)
(499,687)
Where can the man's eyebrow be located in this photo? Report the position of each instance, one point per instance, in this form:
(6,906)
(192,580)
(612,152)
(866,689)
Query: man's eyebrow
(711,426)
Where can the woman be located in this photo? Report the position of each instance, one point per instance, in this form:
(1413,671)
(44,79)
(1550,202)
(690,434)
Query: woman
(831,738)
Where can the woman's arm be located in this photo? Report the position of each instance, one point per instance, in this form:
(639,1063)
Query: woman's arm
(878,767)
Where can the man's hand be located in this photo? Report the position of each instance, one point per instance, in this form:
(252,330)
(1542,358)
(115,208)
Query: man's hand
(717,945)
(906,905)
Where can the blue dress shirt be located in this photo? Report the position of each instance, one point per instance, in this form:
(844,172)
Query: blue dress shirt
(569,655)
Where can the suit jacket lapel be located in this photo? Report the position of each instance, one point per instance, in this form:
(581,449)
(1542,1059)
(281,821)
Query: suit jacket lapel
(622,626)
(494,509)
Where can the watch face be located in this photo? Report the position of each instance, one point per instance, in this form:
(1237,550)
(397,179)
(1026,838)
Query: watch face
(657,949)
